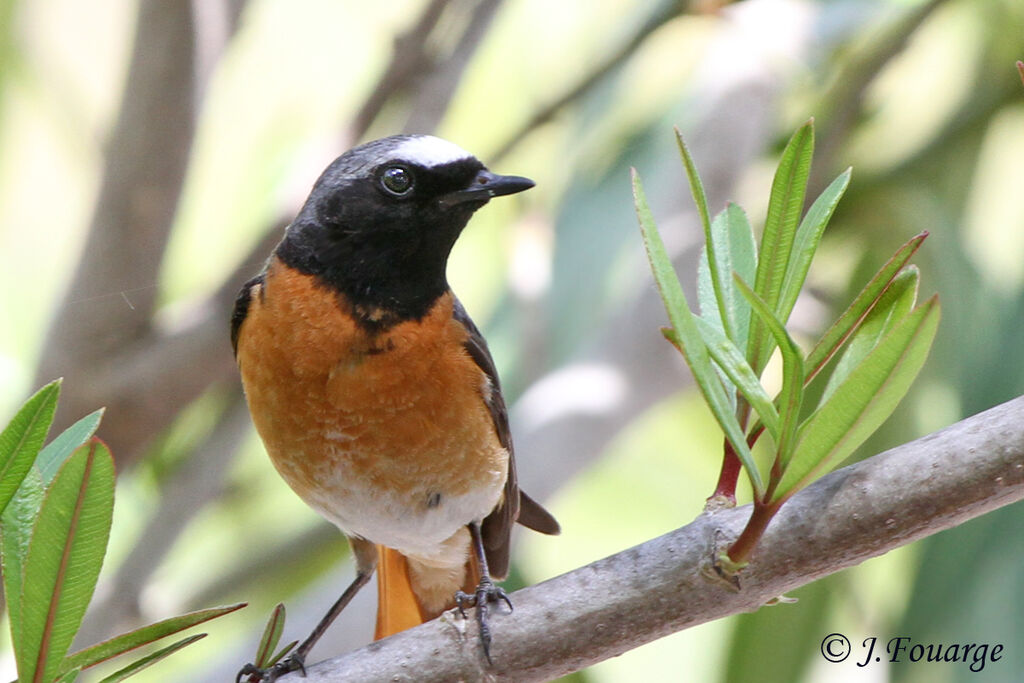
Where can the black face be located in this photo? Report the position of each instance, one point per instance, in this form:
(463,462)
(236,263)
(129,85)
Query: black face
(382,219)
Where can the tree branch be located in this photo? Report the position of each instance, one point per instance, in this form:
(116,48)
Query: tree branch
(409,61)
(112,295)
(666,12)
(661,586)
(842,104)
(432,94)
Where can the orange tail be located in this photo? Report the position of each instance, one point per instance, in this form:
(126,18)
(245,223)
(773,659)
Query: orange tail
(398,607)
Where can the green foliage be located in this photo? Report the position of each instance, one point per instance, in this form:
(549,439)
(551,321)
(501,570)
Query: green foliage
(686,336)
(773,263)
(265,657)
(118,645)
(58,503)
(150,659)
(22,439)
(746,297)
(64,557)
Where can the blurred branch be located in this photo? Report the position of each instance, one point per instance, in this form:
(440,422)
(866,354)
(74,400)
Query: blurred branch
(112,294)
(666,12)
(662,586)
(842,104)
(410,60)
(103,338)
(217,21)
(433,93)
(285,558)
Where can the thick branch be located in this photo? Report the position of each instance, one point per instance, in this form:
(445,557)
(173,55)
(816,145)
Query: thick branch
(112,297)
(660,587)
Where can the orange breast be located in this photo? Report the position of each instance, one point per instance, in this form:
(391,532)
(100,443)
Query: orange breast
(386,435)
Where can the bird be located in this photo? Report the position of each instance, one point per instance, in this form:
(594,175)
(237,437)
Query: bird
(374,393)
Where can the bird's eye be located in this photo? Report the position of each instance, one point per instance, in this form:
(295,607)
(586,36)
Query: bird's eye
(397,180)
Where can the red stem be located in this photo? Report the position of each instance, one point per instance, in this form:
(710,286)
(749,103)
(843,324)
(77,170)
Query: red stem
(725,490)
(741,550)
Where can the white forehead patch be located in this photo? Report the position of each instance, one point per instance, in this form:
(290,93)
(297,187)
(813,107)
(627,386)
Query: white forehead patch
(427,150)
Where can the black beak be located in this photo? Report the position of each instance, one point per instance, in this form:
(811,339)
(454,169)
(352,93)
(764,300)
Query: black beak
(485,186)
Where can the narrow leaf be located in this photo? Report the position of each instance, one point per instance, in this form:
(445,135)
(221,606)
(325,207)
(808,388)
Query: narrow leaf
(805,243)
(785,205)
(15,534)
(729,358)
(68,677)
(712,246)
(271,637)
(893,305)
(281,653)
(690,342)
(710,316)
(863,401)
(696,186)
(118,645)
(57,451)
(736,252)
(836,336)
(21,440)
(64,558)
(791,396)
(149,660)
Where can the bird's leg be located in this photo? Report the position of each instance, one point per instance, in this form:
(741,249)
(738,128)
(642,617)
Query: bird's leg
(486,591)
(366,562)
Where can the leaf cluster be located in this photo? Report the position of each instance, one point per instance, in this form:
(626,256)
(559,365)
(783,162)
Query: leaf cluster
(56,506)
(746,293)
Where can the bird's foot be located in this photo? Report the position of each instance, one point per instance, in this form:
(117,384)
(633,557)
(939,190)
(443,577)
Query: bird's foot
(250,673)
(486,592)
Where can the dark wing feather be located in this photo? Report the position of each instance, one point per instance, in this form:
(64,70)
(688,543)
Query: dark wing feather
(515,505)
(242,309)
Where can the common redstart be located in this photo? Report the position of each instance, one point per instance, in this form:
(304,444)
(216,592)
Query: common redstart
(374,393)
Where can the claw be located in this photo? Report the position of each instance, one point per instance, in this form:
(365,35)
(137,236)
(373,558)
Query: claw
(292,662)
(486,592)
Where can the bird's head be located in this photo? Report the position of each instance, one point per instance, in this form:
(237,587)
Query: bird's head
(381,220)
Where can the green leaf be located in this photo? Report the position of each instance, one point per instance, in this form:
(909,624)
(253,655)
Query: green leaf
(736,252)
(64,558)
(690,342)
(15,534)
(271,637)
(68,677)
(57,451)
(892,306)
(149,660)
(281,653)
(792,393)
(863,401)
(23,437)
(805,243)
(729,358)
(846,325)
(716,259)
(118,645)
(770,645)
(785,205)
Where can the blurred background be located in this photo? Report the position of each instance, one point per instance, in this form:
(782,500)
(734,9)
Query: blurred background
(152,152)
